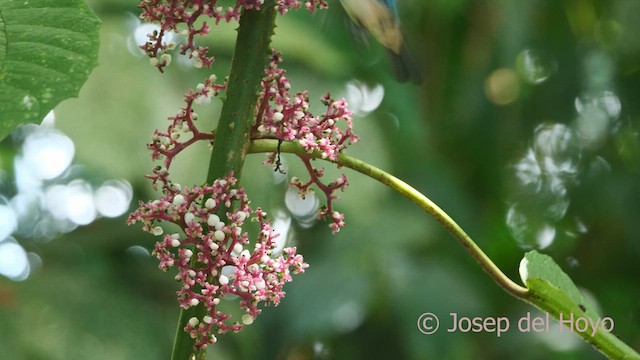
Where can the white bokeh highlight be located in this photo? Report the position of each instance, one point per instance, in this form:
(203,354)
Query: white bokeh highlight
(14,263)
(51,197)
(112,198)
(47,153)
(363,99)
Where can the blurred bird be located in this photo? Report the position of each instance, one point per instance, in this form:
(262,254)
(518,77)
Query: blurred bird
(380,18)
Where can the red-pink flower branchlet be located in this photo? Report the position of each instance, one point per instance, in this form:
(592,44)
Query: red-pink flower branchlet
(182,131)
(287,118)
(183,17)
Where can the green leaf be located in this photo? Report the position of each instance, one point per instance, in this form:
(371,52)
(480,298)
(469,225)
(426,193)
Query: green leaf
(536,266)
(47,50)
(552,290)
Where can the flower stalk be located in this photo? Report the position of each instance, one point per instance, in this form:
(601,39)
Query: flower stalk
(546,297)
(260,146)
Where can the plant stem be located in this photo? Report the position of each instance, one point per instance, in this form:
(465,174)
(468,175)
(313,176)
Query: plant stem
(547,297)
(259,146)
(232,135)
(238,113)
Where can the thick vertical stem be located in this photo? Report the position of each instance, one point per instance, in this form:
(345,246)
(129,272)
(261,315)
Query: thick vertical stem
(232,136)
(238,113)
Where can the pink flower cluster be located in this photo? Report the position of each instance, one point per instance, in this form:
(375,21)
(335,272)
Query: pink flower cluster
(287,118)
(182,16)
(214,257)
(211,252)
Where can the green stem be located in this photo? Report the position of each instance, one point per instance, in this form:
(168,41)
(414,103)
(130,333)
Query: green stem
(547,297)
(238,113)
(554,301)
(232,135)
(414,195)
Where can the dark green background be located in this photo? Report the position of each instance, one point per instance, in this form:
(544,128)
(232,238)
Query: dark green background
(93,299)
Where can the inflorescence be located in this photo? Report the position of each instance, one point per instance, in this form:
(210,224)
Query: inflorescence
(214,257)
(288,118)
(212,252)
(181,17)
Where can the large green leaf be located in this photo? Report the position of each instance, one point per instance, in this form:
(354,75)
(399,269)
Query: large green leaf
(47,50)
(552,290)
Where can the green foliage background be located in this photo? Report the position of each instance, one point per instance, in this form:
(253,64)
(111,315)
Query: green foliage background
(93,299)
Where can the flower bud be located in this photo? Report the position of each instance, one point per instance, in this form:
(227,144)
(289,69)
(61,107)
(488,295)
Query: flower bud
(193,322)
(210,204)
(178,200)
(223,280)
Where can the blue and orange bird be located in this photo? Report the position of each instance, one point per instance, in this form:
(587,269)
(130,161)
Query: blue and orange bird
(380,18)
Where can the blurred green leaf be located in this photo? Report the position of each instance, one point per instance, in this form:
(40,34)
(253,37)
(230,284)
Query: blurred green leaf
(47,50)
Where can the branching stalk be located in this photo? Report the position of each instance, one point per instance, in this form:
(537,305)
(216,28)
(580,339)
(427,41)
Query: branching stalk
(259,146)
(554,304)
